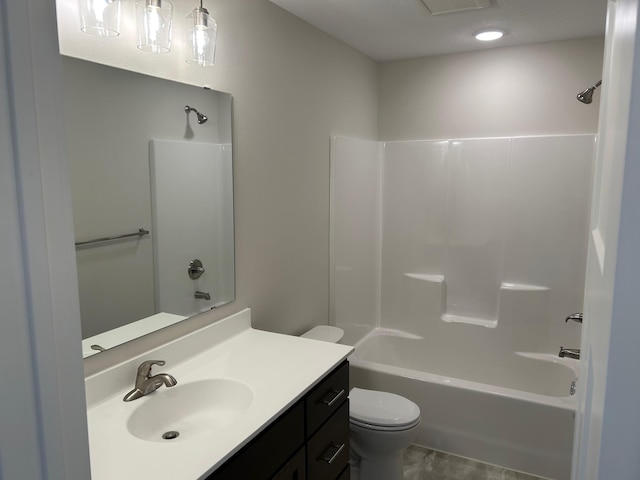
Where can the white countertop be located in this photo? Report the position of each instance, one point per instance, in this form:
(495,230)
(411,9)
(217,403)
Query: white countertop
(279,369)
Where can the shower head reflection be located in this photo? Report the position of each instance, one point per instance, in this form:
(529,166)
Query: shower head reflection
(202,118)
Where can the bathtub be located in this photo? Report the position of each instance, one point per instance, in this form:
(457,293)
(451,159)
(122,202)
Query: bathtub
(512,409)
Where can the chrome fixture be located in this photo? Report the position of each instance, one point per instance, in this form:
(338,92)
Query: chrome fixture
(586,96)
(569,352)
(98,348)
(145,383)
(202,295)
(201,37)
(202,118)
(195,269)
(140,233)
(572,388)
(576,317)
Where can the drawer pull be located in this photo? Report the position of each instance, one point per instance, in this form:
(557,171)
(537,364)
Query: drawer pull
(334,397)
(332,452)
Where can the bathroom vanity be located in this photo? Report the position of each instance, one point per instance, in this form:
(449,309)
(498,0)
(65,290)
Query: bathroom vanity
(310,440)
(248,404)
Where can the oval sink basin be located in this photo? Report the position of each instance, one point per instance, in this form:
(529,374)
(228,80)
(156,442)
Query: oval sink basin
(191,410)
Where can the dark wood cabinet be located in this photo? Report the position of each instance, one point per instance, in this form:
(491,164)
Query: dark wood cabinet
(294,469)
(310,441)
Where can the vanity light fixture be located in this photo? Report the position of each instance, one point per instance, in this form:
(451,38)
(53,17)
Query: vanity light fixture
(100,17)
(201,37)
(154,21)
(489,35)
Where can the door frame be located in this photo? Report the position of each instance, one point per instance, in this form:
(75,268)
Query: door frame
(40,342)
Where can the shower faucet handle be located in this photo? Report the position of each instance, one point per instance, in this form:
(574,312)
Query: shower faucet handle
(576,317)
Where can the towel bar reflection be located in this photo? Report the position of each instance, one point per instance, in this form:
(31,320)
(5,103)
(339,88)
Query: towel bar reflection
(141,232)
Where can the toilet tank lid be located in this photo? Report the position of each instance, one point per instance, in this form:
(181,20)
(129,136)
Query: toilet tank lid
(381,408)
(325,333)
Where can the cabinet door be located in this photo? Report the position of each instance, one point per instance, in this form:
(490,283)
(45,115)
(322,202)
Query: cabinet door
(294,469)
(266,453)
(328,449)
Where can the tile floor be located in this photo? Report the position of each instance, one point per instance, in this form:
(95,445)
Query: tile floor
(423,464)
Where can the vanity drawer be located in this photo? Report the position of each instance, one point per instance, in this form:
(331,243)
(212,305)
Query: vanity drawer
(327,397)
(328,450)
(264,455)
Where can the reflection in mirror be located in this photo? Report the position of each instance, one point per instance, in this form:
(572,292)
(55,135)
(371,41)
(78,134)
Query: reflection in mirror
(152,191)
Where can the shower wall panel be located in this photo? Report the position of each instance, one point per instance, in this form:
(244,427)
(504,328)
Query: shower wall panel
(415,227)
(356,176)
(547,224)
(475,232)
(190,198)
(475,212)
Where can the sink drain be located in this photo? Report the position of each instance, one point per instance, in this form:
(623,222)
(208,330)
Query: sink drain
(170,435)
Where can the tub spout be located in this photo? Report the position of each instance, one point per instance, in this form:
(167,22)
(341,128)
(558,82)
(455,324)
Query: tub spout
(569,352)
(576,317)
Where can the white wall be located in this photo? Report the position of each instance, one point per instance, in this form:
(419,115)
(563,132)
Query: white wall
(512,91)
(293,86)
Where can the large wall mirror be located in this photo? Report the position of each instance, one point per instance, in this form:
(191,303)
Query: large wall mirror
(152,189)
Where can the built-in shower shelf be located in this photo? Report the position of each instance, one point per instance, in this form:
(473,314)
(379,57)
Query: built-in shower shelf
(426,277)
(523,287)
(483,322)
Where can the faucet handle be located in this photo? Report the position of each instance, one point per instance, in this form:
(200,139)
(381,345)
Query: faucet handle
(576,317)
(144,370)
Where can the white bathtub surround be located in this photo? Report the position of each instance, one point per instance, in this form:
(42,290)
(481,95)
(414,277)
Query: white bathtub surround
(192,210)
(277,369)
(482,255)
(465,230)
(356,235)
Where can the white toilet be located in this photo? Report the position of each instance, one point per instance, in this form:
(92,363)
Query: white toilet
(382,424)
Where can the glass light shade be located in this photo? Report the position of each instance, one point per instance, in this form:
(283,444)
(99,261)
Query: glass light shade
(154,21)
(100,17)
(201,38)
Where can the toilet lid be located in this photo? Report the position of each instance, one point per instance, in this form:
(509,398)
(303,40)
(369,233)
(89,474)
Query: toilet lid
(325,333)
(381,408)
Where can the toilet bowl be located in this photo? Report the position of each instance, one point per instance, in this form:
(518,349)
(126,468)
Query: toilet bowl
(382,424)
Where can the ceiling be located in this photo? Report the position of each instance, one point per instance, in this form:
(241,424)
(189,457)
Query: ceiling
(398,29)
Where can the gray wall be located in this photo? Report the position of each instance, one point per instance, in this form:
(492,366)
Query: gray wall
(526,90)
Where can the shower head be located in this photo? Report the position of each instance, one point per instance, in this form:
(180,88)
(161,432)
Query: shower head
(586,96)
(202,118)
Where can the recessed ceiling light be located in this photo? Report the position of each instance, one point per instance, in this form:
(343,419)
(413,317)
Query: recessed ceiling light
(489,35)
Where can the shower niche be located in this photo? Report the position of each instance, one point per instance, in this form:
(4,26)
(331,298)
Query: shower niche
(484,233)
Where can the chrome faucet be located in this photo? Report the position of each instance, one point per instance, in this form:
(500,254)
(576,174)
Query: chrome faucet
(202,295)
(576,317)
(569,352)
(145,383)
